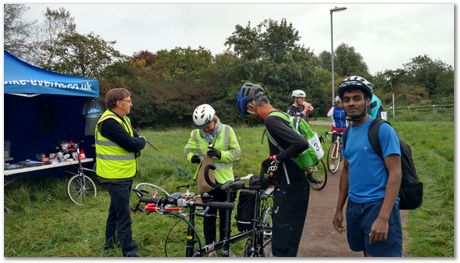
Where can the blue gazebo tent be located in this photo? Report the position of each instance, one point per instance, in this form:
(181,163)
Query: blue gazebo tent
(42,107)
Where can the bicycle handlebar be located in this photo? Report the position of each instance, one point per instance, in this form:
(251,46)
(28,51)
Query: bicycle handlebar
(231,185)
(206,176)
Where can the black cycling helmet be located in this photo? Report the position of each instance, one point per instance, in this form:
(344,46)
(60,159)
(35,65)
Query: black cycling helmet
(247,93)
(356,82)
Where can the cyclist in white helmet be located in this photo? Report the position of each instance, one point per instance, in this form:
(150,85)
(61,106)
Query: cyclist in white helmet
(299,107)
(218,141)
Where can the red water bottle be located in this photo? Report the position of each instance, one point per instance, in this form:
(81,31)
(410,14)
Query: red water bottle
(82,155)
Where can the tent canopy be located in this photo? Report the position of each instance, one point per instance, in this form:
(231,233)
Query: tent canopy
(23,78)
(34,124)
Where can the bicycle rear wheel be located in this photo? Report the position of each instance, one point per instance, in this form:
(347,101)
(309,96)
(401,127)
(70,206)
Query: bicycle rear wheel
(334,157)
(151,190)
(80,187)
(317,176)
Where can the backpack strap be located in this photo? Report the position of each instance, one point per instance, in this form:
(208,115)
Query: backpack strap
(373,135)
(281,115)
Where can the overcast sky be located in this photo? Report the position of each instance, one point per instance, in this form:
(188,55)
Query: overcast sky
(386,35)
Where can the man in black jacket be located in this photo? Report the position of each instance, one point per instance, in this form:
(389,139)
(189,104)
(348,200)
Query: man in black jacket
(291,187)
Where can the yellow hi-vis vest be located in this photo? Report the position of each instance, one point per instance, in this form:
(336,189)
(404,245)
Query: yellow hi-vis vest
(112,161)
(228,145)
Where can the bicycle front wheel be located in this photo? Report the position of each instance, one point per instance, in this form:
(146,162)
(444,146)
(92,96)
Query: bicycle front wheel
(334,156)
(317,176)
(177,239)
(262,239)
(80,187)
(267,223)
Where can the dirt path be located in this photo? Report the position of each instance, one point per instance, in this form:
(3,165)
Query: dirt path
(319,238)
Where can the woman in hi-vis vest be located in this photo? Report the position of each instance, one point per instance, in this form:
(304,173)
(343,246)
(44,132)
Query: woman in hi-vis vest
(117,147)
(217,141)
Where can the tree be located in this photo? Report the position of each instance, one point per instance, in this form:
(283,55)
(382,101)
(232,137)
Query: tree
(435,75)
(245,42)
(348,62)
(17,34)
(147,57)
(278,39)
(182,63)
(324,60)
(83,55)
(270,54)
(269,40)
(51,31)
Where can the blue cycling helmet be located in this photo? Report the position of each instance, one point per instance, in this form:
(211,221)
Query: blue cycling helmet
(356,82)
(247,93)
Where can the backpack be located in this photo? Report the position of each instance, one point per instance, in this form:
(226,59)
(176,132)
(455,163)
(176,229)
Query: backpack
(411,190)
(245,209)
(246,204)
(314,152)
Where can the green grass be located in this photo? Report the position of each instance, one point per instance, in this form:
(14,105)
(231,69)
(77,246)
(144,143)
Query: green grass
(431,227)
(44,223)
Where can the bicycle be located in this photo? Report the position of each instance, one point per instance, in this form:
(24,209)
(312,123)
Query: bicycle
(334,154)
(258,243)
(317,176)
(80,185)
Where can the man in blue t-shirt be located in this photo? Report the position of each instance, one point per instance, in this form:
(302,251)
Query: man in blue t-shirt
(370,183)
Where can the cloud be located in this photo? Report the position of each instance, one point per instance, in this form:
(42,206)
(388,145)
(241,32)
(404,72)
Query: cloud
(386,35)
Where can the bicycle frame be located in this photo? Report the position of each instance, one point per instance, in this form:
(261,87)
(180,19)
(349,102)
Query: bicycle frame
(338,144)
(257,227)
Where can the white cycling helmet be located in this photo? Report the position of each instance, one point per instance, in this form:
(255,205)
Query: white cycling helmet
(298,93)
(337,99)
(203,115)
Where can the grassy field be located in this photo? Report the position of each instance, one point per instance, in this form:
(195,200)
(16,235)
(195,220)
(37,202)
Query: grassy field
(43,222)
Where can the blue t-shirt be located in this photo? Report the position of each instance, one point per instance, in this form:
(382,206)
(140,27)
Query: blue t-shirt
(367,174)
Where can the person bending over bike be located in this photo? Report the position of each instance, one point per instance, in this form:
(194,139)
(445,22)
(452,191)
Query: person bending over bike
(291,187)
(218,141)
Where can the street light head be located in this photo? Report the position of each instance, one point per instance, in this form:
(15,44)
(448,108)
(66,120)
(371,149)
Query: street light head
(337,9)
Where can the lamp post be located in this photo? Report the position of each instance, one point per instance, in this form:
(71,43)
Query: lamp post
(336,9)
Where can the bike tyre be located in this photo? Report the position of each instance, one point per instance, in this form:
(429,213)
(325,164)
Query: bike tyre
(80,187)
(329,159)
(263,237)
(320,174)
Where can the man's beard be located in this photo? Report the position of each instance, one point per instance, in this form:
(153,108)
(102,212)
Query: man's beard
(358,117)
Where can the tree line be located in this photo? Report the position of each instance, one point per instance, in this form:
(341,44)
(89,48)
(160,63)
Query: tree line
(167,85)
